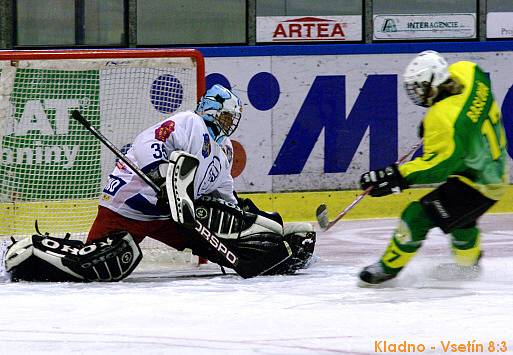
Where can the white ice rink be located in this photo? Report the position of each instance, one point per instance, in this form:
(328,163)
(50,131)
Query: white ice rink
(320,310)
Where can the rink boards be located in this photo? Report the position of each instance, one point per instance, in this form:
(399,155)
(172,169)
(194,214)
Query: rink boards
(293,206)
(316,117)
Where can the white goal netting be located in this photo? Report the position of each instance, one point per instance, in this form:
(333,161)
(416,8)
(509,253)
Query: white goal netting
(52,169)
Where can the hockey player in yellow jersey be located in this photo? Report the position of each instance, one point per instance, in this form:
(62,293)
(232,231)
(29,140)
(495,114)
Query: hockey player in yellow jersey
(464,150)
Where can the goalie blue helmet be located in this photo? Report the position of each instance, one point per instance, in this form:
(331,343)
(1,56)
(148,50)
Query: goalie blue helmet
(221,109)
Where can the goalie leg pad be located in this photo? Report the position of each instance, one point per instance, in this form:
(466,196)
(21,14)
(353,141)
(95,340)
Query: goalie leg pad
(260,241)
(180,186)
(257,241)
(258,253)
(45,258)
(301,238)
(250,255)
(223,218)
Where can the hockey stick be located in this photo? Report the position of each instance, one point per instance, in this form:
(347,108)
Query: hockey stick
(206,235)
(81,119)
(322,211)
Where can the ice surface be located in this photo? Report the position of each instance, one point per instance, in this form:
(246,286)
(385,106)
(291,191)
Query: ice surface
(321,310)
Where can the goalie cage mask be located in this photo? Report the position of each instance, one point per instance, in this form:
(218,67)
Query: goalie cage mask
(222,110)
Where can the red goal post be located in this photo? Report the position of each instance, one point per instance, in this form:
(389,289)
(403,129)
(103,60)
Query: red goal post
(51,169)
(77,54)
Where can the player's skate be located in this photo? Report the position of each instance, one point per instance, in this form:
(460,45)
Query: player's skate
(375,274)
(455,271)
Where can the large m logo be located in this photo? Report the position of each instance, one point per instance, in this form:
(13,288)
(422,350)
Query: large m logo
(325,108)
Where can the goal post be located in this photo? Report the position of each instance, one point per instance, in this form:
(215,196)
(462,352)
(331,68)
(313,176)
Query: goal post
(53,170)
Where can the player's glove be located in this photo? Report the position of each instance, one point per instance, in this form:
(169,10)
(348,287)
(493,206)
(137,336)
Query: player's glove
(384,181)
(158,176)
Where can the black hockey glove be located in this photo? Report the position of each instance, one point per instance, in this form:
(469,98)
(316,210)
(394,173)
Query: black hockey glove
(158,176)
(383,181)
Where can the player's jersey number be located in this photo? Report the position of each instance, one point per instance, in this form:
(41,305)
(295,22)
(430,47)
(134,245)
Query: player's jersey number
(494,133)
(113,185)
(159,150)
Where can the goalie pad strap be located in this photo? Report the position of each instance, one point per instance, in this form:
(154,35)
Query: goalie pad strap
(44,258)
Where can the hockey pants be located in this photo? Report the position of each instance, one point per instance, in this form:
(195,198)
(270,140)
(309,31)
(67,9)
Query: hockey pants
(417,221)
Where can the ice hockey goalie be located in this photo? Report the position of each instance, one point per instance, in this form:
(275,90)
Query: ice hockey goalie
(259,241)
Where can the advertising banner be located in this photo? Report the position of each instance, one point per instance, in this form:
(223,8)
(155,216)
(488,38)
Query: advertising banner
(47,155)
(318,122)
(308,29)
(43,147)
(499,25)
(428,26)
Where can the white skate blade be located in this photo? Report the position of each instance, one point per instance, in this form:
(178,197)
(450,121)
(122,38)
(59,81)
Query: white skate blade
(385,284)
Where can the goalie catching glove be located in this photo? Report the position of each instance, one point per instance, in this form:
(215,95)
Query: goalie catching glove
(45,258)
(383,181)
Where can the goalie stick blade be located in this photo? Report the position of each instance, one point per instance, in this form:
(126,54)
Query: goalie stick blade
(322,216)
(322,210)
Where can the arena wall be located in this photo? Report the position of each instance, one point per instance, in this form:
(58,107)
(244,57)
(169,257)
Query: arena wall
(317,116)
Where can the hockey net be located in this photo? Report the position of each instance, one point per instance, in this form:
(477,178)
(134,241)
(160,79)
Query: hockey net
(51,169)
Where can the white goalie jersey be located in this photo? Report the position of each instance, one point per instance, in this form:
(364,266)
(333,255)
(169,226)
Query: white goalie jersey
(128,195)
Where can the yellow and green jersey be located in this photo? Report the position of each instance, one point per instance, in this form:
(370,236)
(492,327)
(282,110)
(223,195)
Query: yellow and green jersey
(463,137)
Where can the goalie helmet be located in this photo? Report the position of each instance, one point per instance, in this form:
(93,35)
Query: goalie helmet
(424,75)
(221,109)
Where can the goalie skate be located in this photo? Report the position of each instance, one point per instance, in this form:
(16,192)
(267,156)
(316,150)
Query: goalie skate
(4,245)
